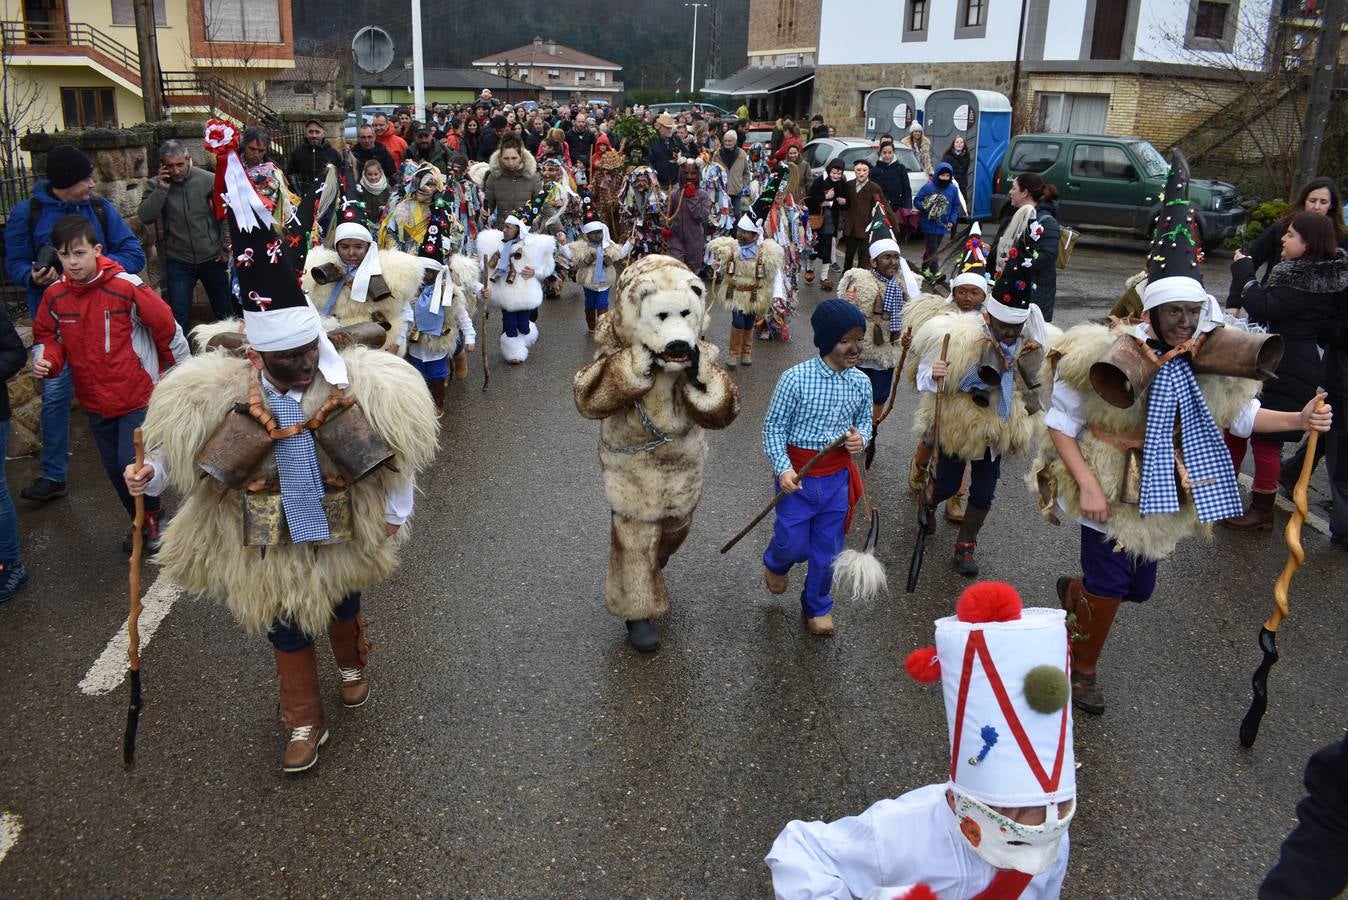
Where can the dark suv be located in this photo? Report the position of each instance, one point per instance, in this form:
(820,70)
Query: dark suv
(1113,182)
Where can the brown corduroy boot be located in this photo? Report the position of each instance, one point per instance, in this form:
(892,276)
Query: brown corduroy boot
(438,394)
(1259,517)
(917,467)
(352,652)
(1088,622)
(301,708)
(746,346)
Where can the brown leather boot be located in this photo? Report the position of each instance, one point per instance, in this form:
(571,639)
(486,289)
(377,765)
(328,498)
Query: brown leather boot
(1088,622)
(461,365)
(301,708)
(591,316)
(1259,517)
(967,541)
(438,393)
(746,346)
(352,652)
(732,358)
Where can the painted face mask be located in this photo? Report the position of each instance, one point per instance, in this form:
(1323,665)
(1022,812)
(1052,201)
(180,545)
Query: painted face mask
(1006,844)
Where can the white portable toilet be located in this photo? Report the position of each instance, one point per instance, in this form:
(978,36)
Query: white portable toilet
(892,110)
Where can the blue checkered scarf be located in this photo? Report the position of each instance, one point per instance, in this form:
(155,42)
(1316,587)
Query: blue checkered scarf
(1212,478)
(600,277)
(301,480)
(971,381)
(893,300)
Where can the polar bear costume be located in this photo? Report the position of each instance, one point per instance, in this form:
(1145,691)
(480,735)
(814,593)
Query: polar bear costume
(514,295)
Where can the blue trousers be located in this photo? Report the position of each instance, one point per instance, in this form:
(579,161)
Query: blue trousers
(1105,572)
(9,519)
(516,322)
(180,280)
(56,394)
(741,319)
(983,475)
(597,300)
(284,636)
(809,529)
(117,449)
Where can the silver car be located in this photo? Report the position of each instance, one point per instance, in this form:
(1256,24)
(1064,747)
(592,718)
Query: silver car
(851,151)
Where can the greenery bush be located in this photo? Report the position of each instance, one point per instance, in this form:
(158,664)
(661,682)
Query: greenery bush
(634,136)
(1259,218)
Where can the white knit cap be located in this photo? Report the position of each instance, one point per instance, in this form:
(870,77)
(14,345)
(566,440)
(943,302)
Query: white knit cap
(884,245)
(749,224)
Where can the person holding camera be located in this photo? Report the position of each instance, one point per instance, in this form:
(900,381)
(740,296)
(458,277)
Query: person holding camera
(31,262)
(179,197)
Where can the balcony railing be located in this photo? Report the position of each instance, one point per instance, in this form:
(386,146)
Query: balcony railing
(24,35)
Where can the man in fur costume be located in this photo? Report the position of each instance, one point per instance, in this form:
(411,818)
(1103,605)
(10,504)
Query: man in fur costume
(596,259)
(355,282)
(686,213)
(968,293)
(311,455)
(655,385)
(997,829)
(747,274)
(1139,462)
(880,292)
(640,208)
(992,404)
(442,322)
(515,263)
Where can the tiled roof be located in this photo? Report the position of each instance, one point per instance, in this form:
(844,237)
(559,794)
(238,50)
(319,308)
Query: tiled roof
(536,54)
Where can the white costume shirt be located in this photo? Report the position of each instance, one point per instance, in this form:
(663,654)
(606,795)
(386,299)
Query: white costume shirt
(1067,414)
(397,501)
(907,840)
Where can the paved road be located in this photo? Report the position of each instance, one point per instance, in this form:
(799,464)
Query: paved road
(515,746)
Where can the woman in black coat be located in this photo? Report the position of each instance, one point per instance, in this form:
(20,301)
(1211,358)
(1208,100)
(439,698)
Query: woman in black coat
(1318,196)
(957,155)
(829,195)
(12,359)
(1029,190)
(1301,299)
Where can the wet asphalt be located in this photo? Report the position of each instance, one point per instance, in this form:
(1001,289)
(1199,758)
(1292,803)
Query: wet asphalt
(514,744)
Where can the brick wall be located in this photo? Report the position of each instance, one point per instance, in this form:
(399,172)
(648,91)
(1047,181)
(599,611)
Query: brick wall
(783,24)
(839,91)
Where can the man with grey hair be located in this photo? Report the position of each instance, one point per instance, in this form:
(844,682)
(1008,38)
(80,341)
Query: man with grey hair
(193,247)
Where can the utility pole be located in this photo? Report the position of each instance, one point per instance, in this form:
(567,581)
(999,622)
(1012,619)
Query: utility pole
(714,42)
(692,68)
(418,69)
(1319,103)
(147,48)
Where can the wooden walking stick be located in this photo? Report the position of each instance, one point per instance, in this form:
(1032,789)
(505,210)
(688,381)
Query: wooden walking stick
(837,442)
(893,387)
(1268,634)
(926,507)
(133,620)
(482,336)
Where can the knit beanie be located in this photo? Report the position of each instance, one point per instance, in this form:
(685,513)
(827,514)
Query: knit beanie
(831,320)
(67,166)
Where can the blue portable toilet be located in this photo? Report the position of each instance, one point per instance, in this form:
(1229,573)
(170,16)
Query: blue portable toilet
(891,110)
(984,119)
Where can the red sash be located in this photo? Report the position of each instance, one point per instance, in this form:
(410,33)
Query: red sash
(1007,884)
(833,461)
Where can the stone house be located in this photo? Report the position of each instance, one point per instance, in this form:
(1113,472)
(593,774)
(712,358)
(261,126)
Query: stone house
(779,77)
(560,73)
(310,85)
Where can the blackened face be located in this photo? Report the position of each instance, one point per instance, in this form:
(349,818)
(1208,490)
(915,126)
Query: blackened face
(1003,332)
(1175,322)
(289,369)
(887,264)
(847,352)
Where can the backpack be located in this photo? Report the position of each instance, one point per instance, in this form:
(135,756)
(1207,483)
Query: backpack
(100,213)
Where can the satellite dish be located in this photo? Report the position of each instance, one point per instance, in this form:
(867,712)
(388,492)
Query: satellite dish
(372,49)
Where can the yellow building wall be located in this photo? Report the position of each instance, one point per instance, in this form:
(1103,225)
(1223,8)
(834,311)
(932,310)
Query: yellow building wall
(46,113)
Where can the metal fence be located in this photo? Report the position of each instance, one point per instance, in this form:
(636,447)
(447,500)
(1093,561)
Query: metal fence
(16,186)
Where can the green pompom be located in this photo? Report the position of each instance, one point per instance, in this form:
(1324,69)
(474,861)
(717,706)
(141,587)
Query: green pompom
(1046,689)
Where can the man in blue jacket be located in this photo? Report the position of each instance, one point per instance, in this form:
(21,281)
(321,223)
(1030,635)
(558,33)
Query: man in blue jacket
(67,190)
(938,208)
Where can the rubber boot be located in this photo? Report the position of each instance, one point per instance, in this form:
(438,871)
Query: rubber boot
(351,650)
(967,541)
(438,393)
(917,467)
(1088,622)
(591,315)
(301,708)
(733,356)
(642,635)
(1259,517)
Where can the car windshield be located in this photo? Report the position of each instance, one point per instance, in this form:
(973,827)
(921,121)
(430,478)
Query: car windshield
(907,158)
(850,156)
(1152,161)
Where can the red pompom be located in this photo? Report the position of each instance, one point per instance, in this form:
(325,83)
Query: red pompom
(923,665)
(918,892)
(988,601)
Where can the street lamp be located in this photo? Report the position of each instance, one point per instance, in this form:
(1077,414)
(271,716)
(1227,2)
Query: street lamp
(692,67)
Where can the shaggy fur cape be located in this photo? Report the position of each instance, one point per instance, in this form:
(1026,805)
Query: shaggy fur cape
(667,481)
(584,254)
(525,293)
(466,279)
(203,547)
(401,272)
(868,291)
(1155,536)
(746,298)
(967,429)
(919,312)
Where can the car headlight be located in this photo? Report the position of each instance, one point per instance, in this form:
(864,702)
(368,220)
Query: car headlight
(1216,201)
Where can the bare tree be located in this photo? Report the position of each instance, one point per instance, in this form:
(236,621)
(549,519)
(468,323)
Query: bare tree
(20,97)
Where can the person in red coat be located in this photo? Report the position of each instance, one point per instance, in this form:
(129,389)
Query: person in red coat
(117,336)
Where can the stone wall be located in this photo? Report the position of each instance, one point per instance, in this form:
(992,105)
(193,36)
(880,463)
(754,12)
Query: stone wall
(840,91)
(783,24)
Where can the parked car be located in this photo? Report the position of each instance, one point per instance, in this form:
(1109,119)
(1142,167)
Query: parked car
(1113,182)
(676,107)
(852,150)
(367,113)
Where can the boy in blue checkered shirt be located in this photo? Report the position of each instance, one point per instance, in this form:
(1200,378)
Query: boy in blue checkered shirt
(815,403)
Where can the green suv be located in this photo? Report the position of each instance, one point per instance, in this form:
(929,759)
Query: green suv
(1113,182)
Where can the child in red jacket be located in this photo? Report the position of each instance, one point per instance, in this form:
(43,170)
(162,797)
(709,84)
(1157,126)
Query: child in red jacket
(117,336)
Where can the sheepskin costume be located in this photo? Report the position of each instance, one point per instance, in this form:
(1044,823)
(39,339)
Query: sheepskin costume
(916,313)
(745,285)
(653,407)
(466,280)
(967,429)
(203,545)
(536,251)
(583,256)
(402,273)
(879,347)
(1153,537)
